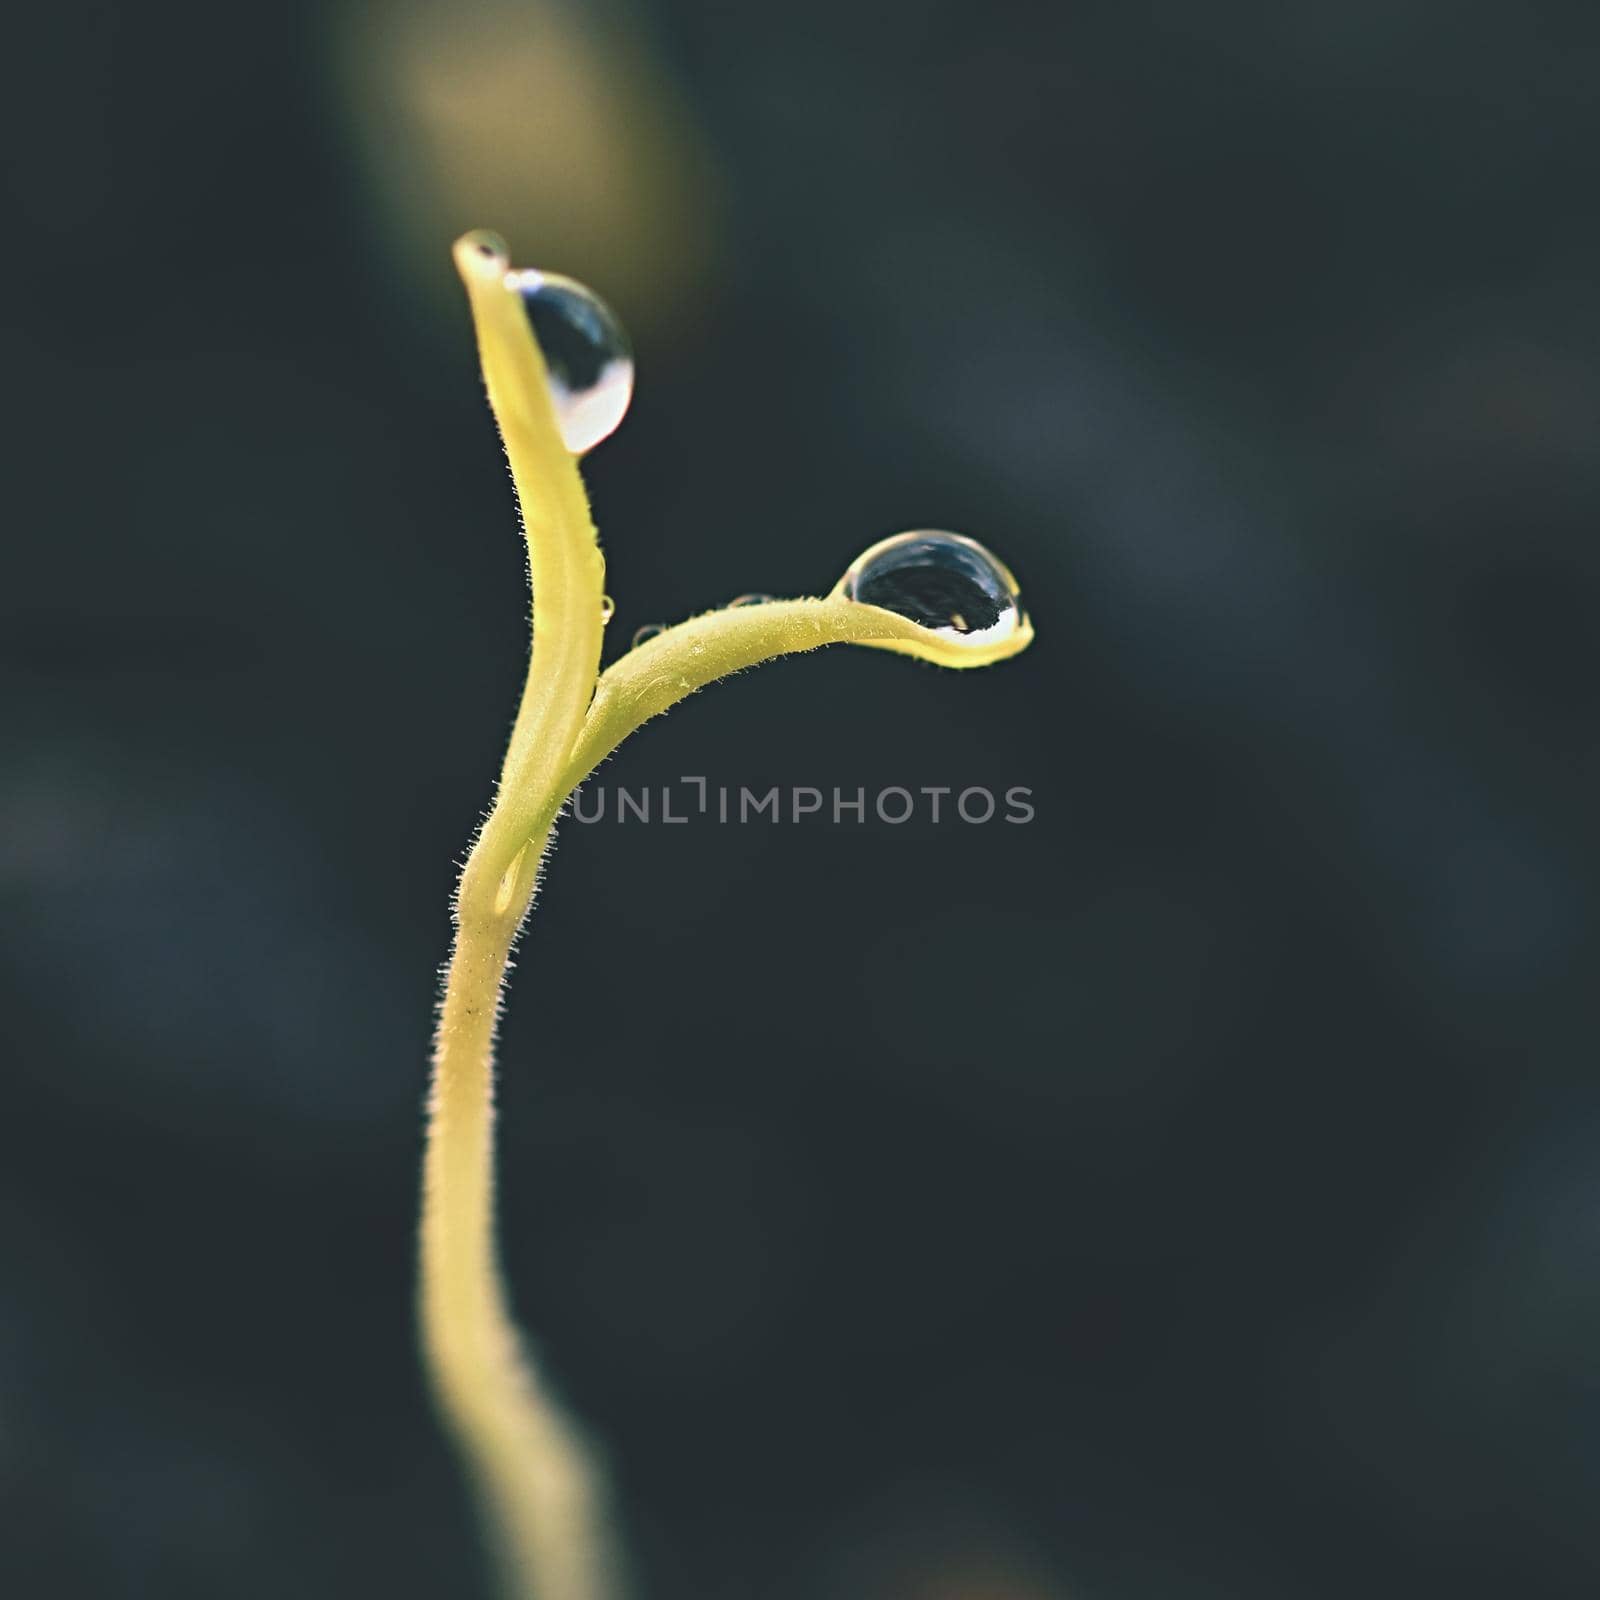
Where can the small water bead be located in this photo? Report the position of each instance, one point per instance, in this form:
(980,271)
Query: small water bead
(751,600)
(941,581)
(489,246)
(608,609)
(648,631)
(586,352)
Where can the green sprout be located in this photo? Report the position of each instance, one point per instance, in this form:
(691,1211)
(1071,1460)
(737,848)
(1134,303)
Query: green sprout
(935,596)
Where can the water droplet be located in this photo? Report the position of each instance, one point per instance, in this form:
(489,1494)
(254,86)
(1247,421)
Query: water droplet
(944,582)
(490,246)
(586,351)
(751,600)
(648,631)
(608,609)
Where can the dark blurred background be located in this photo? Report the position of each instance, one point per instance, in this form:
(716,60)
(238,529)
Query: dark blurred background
(1190,1194)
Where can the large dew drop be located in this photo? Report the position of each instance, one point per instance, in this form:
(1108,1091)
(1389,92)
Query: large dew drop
(944,582)
(586,352)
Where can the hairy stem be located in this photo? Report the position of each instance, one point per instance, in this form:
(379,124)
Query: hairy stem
(539,1489)
(538,1483)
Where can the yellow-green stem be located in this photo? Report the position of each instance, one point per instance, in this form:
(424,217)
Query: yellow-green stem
(538,1484)
(538,1488)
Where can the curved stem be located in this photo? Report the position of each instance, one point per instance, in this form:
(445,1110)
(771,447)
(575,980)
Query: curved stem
(538,1482)
(565,567)
(654,676)
(538,1486)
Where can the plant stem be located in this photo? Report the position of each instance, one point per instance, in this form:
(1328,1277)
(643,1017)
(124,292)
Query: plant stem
(539,1490)
(538,1485)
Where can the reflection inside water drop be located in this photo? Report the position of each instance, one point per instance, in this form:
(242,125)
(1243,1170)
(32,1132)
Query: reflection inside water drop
(944,582)
(586,352)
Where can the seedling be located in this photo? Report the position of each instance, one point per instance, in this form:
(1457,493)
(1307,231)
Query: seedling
(560,374)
